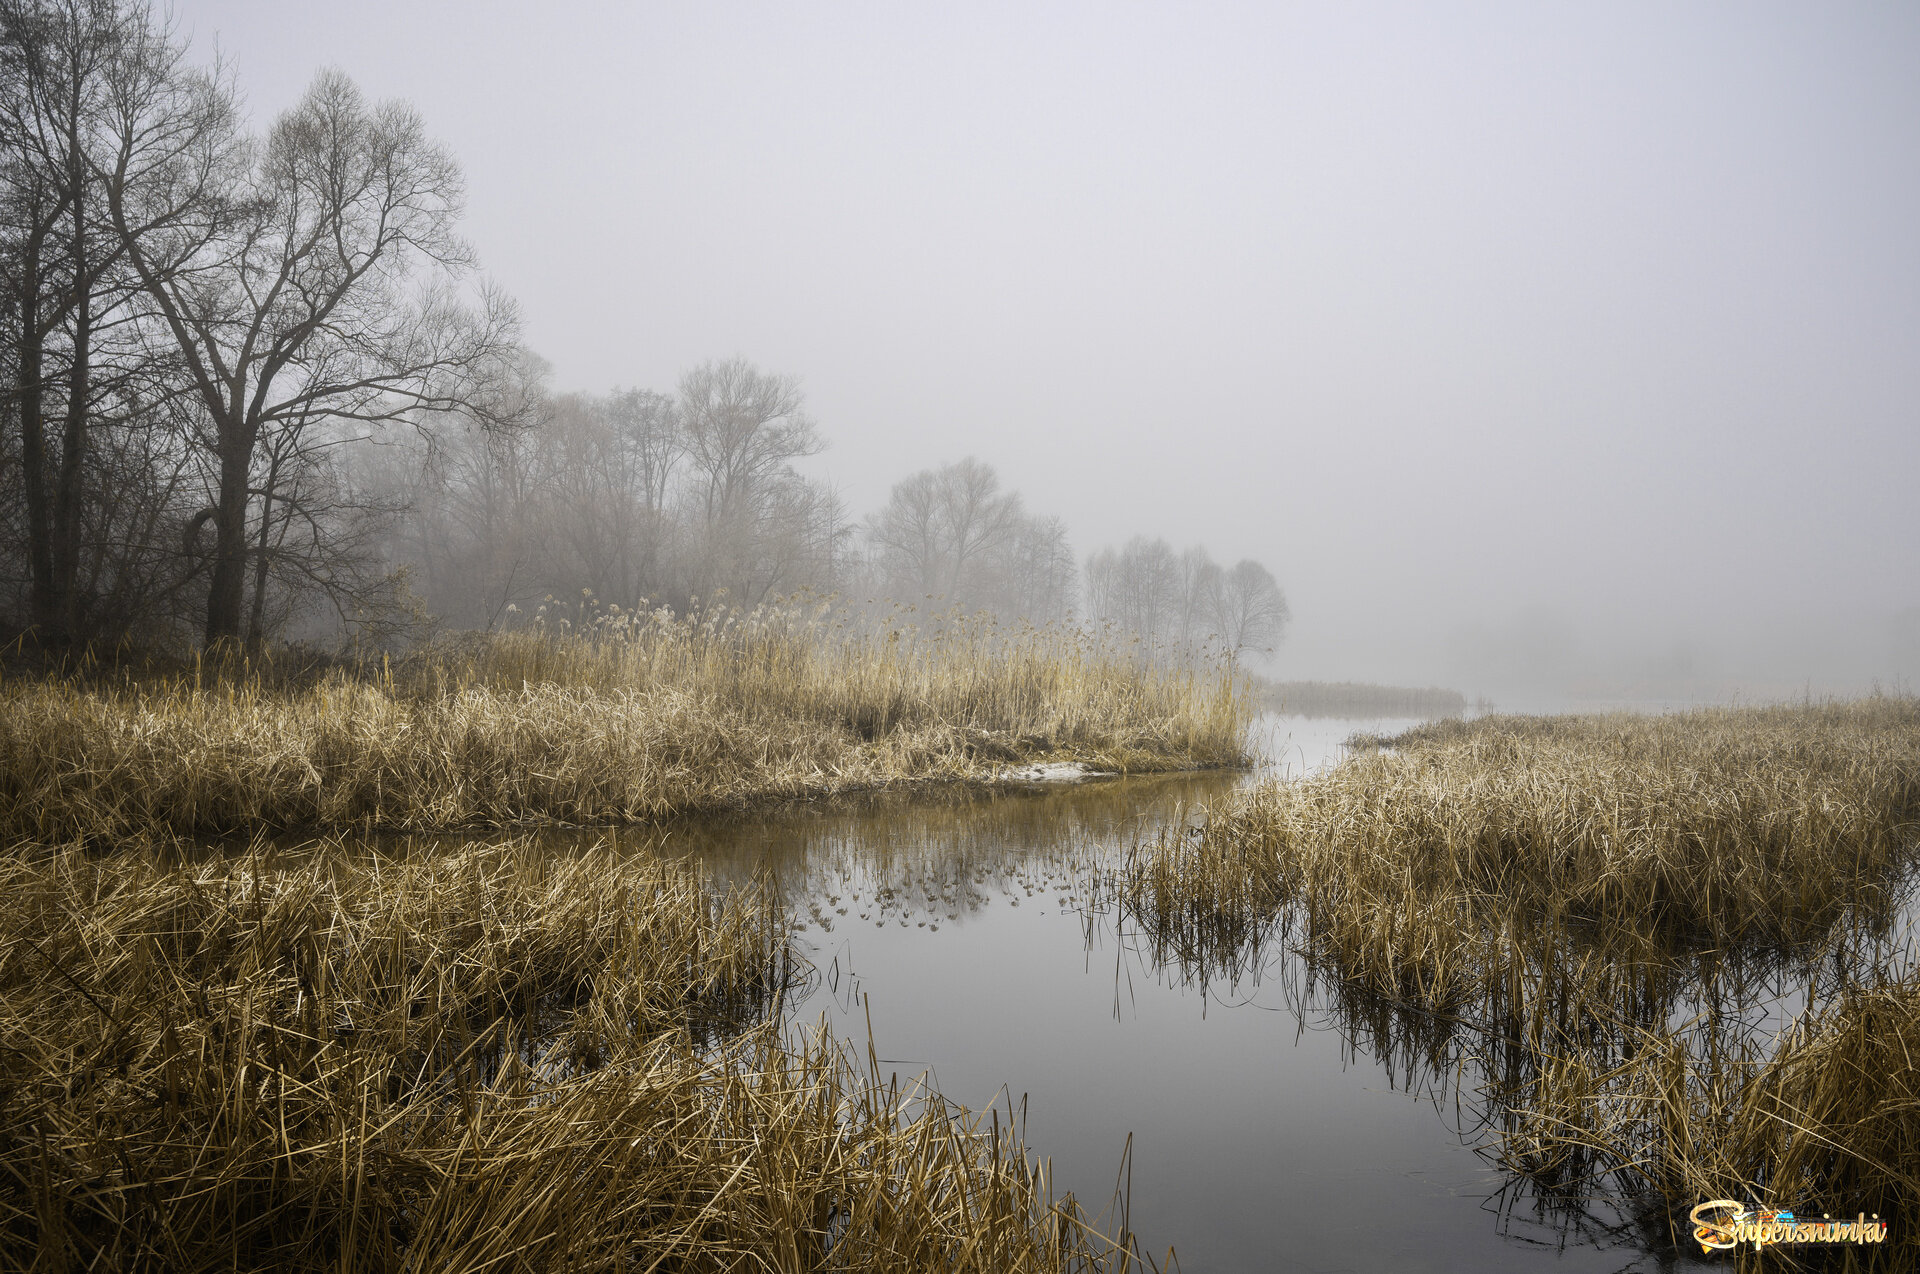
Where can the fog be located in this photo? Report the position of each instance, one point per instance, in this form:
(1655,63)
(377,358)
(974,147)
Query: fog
(1539,350)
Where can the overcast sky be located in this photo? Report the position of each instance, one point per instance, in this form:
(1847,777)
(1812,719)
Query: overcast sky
(1580,334)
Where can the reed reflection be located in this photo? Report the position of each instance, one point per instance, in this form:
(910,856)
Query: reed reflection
(1613,1074)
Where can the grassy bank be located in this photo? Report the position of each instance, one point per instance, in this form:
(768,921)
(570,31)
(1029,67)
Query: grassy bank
(633,717)
(483,1059)
(1661,945)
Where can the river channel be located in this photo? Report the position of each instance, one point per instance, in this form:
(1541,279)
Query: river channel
(964,926)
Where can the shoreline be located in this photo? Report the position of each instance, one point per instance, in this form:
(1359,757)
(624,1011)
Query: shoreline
(915,789)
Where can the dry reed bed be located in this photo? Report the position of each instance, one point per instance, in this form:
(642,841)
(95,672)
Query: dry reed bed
(1584,914)
(1720,828)
(495,1058)
(634,717)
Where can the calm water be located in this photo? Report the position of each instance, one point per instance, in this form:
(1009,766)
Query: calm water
(963,925)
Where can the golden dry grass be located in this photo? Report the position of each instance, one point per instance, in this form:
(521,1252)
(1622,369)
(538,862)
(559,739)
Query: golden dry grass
(1585,919)
(1723,828)
(631,718)
(491,1058)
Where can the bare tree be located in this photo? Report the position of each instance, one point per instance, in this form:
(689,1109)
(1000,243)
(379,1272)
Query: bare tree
(608,495)
(1136,588)
(977,518)
(1253,612)
(590,509)
(1199,581)
(612,462)
(95,98)
(475,494)
(952,532)
(320,531)
(36,199)
(800,527)
(652,441)
(288,299)
(908,539)
(1177,603)
(59,271)
(1039,571)
(942,528)
(742,429)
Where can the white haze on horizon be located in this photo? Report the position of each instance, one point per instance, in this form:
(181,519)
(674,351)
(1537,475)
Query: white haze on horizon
(1537,349)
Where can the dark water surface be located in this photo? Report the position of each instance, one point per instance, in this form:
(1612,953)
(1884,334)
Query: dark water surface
(966,926)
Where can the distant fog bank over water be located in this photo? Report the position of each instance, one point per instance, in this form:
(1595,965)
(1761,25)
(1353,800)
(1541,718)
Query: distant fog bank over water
(1543,658)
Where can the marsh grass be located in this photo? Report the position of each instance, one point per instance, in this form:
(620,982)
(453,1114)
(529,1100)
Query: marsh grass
(627,717)
(1720,828)
(1662,951)
(1822,1113)
(485,1058)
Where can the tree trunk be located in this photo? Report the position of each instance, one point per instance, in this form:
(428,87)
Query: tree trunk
(226,595)
(64,598)
(257,622)
(30,390)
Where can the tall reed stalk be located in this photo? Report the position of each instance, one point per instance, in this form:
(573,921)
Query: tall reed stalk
(631,717)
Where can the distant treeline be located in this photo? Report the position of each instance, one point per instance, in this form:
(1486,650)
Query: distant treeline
(1359,699)
(253,389)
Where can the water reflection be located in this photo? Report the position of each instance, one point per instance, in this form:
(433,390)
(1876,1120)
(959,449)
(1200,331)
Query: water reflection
(1296,747)
(1588,1063)
(1268,1130)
